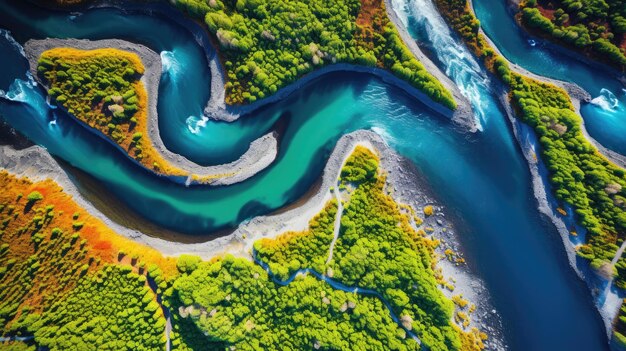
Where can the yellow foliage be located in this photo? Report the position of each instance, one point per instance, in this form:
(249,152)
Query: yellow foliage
(428,211)
(148,155)
(459,300)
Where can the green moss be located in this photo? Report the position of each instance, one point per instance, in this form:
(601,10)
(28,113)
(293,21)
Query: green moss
(591,26)
(235,302)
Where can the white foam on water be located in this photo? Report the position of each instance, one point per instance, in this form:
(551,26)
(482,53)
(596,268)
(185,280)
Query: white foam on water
(195,124)
(169,63)
(7,35)
(459,63)
(606,100)
(387,137)
(18,91)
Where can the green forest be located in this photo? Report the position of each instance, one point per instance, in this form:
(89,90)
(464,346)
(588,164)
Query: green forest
(228,302)
(265,45)
(376,249)
(580,176)
(597,27)
(113,309)
(235,302)
(99,87)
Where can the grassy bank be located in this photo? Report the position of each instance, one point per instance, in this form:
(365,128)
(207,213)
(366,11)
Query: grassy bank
(377,249)
(595,28)
(69,281)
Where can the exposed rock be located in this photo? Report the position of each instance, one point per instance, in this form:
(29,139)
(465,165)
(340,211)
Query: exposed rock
(613,188)
(407,322)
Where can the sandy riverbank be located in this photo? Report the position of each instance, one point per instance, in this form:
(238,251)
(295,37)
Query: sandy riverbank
(577,95)
(403,181)
(463,116)
(35,163)
(261,153)
(607,311)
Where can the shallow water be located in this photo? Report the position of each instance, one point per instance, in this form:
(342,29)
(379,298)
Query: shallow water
(482,179)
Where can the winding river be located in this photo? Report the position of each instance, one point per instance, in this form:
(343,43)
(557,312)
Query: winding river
(482,178)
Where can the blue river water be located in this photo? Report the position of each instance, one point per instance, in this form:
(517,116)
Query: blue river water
(605,117)
(482,179)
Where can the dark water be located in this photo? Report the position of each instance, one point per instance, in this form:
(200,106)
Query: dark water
(482,179)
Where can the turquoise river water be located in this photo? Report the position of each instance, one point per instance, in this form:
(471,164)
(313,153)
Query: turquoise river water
(482,178)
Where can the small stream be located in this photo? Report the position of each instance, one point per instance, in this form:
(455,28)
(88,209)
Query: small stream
(338,286)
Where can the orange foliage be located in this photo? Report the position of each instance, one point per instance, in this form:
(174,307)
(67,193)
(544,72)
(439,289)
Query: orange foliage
(370,22)
(51,243)
(150,157)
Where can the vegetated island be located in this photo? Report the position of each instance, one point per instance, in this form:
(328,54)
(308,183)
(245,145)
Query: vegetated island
(103,85)
(102,88)
(266,45)
(580,176)
(56,259)
(595,28)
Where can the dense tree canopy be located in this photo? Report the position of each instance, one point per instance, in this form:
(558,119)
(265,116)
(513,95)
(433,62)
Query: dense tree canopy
(111,310)
(102,88)
(597,27)
(267,44)
(376,249)
(50,248)
(235,302)
(103,297)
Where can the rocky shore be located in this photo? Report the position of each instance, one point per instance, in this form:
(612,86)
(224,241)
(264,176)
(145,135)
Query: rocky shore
(577,94)
(464,114)
(261,153)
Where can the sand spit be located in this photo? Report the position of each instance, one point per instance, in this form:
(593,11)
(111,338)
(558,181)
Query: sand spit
(37,164)
(576,93)
(261,153)
(216,107)
(529,150)
(608,311)
(514,9)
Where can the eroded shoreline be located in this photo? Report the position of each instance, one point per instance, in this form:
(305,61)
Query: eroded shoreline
(463,116)
(217,109)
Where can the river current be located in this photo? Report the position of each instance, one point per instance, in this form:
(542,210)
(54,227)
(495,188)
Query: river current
(482,178)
